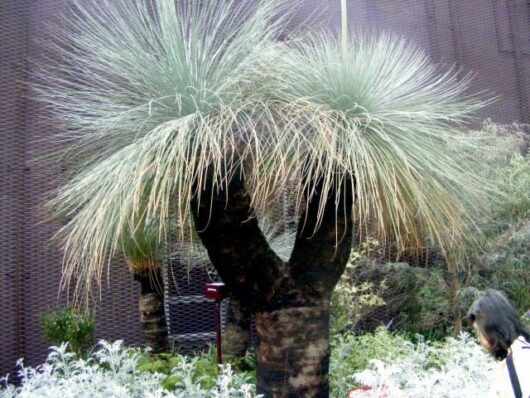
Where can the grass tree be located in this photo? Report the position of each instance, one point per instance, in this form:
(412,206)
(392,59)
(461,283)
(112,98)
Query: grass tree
(193,109)
(142,251)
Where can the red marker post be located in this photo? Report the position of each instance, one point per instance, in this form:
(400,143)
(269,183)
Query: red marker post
(217,291)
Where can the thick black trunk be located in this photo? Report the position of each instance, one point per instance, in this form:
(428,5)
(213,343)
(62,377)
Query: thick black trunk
(293,351)
(236,246)
(152,314)
(290,300)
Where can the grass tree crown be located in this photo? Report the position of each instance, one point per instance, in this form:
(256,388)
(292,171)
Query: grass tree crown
(392,119)
(160,98)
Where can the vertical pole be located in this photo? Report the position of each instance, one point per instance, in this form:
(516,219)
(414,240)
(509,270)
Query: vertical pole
(432,25)
(456,36)
(218,331)
(344,33)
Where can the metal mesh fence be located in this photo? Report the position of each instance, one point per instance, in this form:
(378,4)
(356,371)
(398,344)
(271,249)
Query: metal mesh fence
(30,263)
(190,315)
(488,37)
(10,209)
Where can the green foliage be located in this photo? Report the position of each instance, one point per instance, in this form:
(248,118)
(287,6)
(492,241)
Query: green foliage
(205,369)
(159,363)
(434,300)
(351,353)
(246,364)
(500,143)
(507,167)
(504,263)
(372,293)
(352,300)
(141,248)
(350,303)
(513,181)
(172,382)
(206,372)
(69,325)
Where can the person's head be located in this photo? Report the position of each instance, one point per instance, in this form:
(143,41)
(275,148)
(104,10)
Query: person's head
(496,322)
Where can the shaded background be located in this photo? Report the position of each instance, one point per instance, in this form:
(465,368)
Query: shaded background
(488,37)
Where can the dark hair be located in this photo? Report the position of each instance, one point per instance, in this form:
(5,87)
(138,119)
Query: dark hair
(497,321)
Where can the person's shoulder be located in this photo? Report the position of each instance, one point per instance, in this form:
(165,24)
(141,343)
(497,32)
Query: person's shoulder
(521,358)
(521,342)
(521,346)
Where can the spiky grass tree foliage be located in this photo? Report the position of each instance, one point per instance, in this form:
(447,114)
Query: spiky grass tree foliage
(191,108)
(390,117)
(156,99)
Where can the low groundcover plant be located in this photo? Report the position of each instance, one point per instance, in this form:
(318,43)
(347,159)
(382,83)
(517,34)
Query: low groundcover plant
(456,368)
(395,367)
(112,371)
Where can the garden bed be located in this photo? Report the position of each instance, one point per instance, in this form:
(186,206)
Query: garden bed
(387,363)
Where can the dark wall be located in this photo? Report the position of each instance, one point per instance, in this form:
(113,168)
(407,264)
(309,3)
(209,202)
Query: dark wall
(489,37)
(30,263)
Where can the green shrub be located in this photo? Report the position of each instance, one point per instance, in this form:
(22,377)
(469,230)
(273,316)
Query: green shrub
(206,372)
(504,264)
(351,353)
(71,326)
(434,306)
(512,205)
(352,299)
(499,143)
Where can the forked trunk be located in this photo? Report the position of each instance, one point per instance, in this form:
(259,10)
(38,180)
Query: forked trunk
(152,314)
(293,351)
(290,300)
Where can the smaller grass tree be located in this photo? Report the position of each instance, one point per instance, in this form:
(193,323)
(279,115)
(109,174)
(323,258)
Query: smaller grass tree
(141,248)
(193,108)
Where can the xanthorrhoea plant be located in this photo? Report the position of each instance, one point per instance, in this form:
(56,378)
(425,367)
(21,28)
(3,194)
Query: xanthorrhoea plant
(192,106)
(376,151)
(154,100)
(143,252)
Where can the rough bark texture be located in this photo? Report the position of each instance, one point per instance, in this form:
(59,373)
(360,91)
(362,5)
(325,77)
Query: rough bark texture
(152,315)
(290,300)
(236,334)
(293,351)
